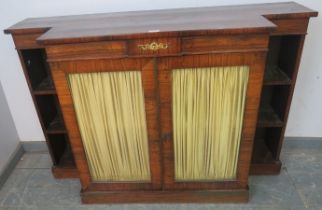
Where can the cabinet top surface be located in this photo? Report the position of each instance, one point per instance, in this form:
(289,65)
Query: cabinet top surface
(96,27)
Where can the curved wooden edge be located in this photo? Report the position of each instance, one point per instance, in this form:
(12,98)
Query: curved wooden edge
(26,31)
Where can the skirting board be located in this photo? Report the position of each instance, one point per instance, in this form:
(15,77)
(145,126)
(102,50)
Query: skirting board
(34,146)
(303,142)
(12,162)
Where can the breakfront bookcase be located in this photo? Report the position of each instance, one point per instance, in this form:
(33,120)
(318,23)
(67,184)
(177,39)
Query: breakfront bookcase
(167,105)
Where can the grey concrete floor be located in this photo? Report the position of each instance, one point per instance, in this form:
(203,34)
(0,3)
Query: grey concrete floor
(299,186)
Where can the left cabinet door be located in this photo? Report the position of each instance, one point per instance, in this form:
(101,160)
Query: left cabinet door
(110,109)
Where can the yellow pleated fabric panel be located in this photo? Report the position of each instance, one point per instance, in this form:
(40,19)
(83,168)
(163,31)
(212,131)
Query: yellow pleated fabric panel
(208,108)
(111,117)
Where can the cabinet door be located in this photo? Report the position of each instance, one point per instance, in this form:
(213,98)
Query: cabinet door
(208,115)
(110,110)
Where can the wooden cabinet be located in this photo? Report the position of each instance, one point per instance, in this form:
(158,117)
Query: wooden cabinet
(156,73)
(169,105)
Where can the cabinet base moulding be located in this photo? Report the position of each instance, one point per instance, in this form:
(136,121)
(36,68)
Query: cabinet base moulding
(202,196)
(64,172)
(273,168)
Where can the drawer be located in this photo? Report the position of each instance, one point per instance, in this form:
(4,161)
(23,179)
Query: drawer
(92,50)
(221,43)
(154,47)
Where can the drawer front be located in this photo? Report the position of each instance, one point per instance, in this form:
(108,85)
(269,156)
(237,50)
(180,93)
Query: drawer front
(93,50)
(154,47)
(222,43)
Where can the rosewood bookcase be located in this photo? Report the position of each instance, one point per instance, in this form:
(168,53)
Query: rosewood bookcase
(71,63)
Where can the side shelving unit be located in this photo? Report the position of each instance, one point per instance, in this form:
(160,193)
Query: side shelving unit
(46,102)
(278,86)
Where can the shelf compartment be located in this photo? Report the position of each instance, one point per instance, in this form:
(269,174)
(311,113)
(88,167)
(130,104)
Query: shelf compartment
(39,79)
(46,86)
(268,117)
(263,162)
(50,114)
(265,159)
(67,160)
(56,126)
(37,71)
(61,150)
(282,53)
(276,76)
(262,154)
(281,71)
(64,164)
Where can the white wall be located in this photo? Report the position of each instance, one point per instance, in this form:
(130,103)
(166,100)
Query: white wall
(306,113)
(9,138)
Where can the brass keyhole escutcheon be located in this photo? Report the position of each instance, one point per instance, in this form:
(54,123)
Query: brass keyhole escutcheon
(154,46)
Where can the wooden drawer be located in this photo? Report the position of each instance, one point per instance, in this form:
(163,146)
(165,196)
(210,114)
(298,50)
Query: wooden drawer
(92,50)
(154,47)
(222,43)
(290,26)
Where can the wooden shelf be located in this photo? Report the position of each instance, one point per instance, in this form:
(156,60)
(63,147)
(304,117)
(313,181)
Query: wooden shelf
(67,159)
(262,154)
(263,162)
(66,167)
(45,87)
(56,126)
(268,118)
(276,76)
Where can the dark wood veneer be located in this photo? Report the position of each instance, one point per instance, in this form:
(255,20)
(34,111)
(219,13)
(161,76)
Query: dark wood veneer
(173,22)
(164,196)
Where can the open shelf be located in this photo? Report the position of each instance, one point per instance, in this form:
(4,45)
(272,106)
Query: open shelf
(61,150)
(262,154)
(38,71)
(50,114)
(265,158)
(268,117)
(64,165)
(67,159)
(56,126)
(276,76)
(41,85)
(280,74)
(263,162)
(46,86)
(281,59)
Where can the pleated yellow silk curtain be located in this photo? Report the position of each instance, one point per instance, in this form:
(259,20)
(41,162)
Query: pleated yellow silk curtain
(207,108)
(111,117)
